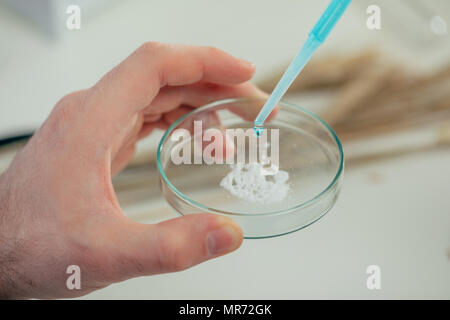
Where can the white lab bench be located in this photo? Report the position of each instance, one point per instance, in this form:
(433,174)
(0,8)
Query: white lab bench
(399,221)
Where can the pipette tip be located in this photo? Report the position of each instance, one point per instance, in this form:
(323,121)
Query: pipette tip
(258,130)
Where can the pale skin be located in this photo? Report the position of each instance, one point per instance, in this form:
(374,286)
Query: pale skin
(57,202)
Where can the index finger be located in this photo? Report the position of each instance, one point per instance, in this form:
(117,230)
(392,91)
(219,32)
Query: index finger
(134,83)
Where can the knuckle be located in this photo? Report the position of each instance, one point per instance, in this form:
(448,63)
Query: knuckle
(71,98)
(213,51)
(177,264)
(65,110)
(173,257)
(62,113)
(152,47)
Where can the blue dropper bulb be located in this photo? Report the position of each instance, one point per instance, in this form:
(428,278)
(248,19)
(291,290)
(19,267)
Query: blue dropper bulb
(316,37)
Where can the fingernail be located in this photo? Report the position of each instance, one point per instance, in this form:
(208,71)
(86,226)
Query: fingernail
(248,64)
(224,239)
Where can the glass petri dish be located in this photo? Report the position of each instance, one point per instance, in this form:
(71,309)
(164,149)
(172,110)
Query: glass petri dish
(309,153)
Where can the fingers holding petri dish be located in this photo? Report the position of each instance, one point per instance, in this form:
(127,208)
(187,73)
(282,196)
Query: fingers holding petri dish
(277,183)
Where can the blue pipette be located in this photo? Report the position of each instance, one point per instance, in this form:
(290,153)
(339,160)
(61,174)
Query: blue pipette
(317,36)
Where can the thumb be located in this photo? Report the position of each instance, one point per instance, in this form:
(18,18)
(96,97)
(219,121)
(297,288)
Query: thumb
(179,243)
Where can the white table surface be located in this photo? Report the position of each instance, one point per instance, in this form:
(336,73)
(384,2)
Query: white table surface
(400,222)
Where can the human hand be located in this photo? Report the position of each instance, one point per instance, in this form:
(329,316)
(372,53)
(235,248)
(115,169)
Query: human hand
(57,202)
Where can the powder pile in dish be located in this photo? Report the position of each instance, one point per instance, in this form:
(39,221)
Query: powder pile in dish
(247,182)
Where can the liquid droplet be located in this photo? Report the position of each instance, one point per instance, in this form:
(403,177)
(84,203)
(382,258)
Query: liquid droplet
(258,130)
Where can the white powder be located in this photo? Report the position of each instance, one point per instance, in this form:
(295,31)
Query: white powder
(251,182)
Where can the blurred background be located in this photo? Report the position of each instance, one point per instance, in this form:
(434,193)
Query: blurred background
(386,92)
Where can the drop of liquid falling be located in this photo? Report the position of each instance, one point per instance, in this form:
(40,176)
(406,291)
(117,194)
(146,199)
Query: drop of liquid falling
(258,130)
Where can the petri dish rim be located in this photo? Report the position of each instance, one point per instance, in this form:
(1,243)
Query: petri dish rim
(273,213)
